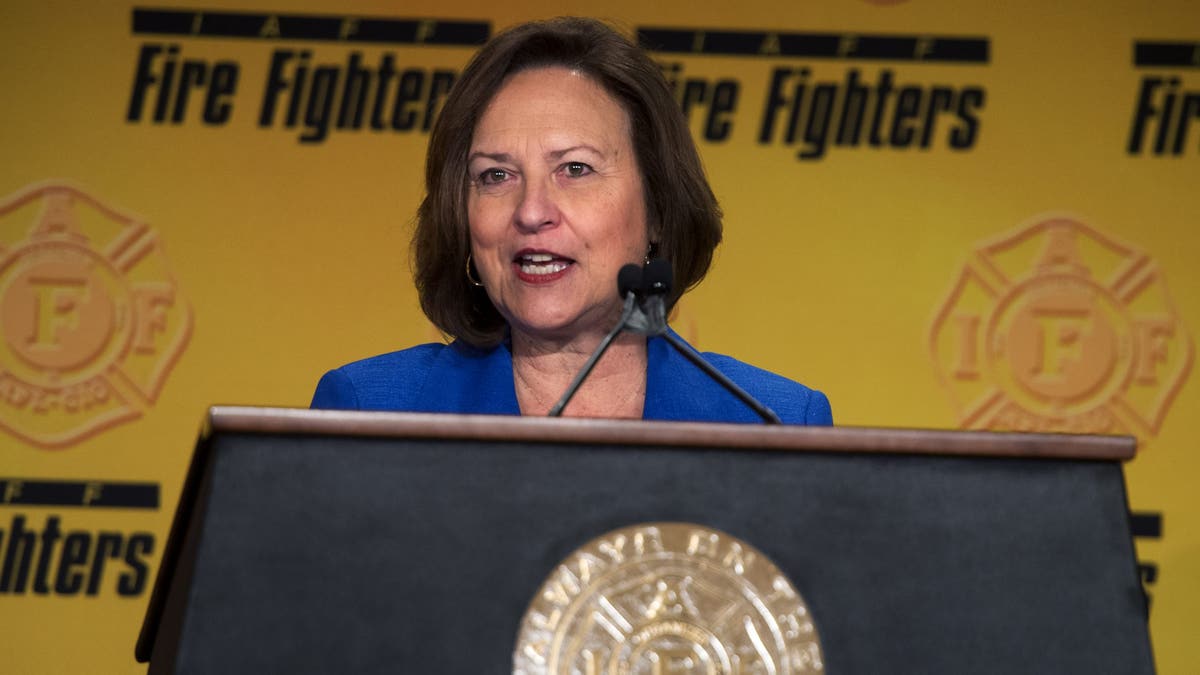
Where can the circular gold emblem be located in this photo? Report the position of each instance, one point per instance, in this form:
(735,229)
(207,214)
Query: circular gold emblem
(667,598)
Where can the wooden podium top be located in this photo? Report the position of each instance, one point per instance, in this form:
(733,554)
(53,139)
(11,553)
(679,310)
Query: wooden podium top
(238,419)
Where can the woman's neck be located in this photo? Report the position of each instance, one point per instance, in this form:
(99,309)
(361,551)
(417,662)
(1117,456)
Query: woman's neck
(616,387)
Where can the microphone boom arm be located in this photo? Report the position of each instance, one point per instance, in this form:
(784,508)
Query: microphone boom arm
(645,313)
(626,313)
(768,416)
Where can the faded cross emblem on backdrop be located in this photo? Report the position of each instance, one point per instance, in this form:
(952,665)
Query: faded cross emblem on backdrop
(1059,328)
(92,320)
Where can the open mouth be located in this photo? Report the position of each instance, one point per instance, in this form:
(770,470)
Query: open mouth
(541,264)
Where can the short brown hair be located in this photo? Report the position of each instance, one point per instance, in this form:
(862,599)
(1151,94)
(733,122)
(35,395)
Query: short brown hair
(683,216)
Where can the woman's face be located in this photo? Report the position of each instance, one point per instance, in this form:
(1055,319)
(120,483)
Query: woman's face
(555,203)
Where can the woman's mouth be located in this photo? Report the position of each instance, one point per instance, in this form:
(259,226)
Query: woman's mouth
(541,267)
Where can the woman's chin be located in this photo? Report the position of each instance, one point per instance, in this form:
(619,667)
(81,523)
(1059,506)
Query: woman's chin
(558,328)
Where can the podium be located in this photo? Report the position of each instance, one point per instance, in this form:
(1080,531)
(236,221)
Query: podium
(350,542)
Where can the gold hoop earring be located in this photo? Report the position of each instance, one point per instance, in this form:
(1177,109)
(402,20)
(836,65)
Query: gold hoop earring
(474,282)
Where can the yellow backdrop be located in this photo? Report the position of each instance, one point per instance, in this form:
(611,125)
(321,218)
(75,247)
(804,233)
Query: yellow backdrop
(943,215)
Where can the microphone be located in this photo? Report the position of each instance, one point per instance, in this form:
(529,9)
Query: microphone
(656,280)
(657,277)
(645,312)
(657,284)
(629,280)
(629,283)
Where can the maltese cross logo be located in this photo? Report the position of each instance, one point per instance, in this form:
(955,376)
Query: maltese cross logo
(1059,328)
(92,320)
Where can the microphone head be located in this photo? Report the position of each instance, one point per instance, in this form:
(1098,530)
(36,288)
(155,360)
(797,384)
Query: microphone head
(657,277)
(629,280)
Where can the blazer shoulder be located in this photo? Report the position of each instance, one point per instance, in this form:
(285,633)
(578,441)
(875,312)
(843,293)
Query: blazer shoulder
(386,382)
(795,403)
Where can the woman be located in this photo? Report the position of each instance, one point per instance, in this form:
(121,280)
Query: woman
(559,157)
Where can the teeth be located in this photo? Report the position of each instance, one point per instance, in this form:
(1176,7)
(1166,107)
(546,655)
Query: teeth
(541,263)
(551,268)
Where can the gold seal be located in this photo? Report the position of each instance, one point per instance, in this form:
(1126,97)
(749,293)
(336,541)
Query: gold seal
(662,598)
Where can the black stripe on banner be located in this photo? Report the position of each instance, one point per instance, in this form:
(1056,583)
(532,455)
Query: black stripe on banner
(193,23)
(90,494)
(1146,525)
(1159,54)
(915,48)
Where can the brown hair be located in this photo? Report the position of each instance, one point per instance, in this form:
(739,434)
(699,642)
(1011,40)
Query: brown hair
(682,214)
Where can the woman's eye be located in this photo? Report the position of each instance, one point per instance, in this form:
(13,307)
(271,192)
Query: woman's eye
(576,169)
(493,176)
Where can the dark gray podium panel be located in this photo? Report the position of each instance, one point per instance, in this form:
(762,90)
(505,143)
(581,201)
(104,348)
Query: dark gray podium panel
(323,554)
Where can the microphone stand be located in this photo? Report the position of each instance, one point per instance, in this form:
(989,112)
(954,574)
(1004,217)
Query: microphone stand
(649,318)
(657,326)
(626,314)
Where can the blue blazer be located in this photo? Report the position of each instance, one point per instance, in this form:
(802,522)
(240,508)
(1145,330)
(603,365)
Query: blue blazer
(458,378)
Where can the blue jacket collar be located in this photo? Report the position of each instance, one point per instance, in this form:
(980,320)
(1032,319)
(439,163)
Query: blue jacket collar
(467,379)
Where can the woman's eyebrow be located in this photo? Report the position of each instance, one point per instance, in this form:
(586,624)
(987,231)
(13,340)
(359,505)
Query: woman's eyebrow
(556,154)
(553,154)
(494,156)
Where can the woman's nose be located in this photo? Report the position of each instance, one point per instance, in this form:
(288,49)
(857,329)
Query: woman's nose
(538,208)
